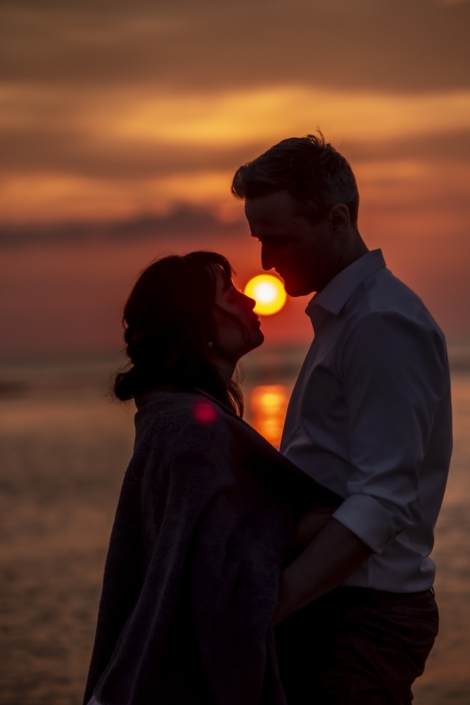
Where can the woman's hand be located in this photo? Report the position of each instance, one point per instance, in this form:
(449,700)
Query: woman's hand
(308,527)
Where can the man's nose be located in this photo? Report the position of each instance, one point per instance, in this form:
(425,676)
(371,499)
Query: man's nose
(266,259)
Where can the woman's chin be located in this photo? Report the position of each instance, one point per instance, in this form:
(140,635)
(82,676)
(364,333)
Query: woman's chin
(254,343)
(257,339)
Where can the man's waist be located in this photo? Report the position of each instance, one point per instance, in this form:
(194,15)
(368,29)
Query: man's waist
(394,572)
(368,595)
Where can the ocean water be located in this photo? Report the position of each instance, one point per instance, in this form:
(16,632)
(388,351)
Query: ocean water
(64,446)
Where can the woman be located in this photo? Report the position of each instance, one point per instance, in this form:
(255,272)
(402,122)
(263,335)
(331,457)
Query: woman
(207,507)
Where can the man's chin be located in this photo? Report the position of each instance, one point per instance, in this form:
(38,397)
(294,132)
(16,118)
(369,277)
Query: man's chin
(296,289)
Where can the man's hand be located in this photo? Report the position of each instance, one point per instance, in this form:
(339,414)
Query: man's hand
(331,557)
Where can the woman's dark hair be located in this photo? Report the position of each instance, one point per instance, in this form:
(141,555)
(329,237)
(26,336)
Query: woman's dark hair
(168,324)
(310,169)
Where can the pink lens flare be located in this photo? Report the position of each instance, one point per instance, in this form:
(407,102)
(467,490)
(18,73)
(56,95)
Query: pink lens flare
(205,412)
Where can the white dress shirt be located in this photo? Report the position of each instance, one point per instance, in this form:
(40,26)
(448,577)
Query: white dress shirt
(370,418)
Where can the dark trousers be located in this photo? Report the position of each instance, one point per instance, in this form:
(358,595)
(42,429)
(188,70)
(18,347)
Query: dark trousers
(356,646)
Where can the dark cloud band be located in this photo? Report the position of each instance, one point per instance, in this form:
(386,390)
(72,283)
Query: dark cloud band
(392,45)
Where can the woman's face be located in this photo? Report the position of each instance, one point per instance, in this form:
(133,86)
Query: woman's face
(235,337)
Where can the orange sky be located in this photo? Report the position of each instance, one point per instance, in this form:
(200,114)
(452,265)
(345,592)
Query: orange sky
(122,125)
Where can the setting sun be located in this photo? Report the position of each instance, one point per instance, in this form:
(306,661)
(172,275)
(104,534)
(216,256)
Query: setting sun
(268,292)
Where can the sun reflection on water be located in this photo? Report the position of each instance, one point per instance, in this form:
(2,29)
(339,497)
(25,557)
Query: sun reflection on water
(268,405)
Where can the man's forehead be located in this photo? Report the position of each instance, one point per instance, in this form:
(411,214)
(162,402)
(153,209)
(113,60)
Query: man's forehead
(272,219)
(270,205)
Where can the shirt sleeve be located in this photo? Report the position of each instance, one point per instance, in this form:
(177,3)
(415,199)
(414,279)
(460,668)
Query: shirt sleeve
(393,377)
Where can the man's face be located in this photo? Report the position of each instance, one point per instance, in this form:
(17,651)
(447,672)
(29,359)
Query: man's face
(303,254)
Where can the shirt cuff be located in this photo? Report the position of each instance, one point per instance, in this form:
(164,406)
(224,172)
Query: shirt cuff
(366,518)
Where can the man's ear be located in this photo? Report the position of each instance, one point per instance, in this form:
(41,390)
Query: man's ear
(339,219)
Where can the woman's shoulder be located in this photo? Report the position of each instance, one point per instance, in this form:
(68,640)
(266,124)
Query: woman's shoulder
(184,418)
(188,419)
(185,438)
(179,423)
(188,429)
(165,402)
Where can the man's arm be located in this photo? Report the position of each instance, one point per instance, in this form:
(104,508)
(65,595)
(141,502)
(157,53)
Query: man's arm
(331,557)
(393,379)
(307,528)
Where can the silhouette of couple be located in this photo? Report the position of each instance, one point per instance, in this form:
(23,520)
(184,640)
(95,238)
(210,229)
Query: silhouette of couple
(238,575)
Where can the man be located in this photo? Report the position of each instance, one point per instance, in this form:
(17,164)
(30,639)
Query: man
(370,418)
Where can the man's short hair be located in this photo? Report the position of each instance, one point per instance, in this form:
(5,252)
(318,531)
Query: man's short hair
(311,170)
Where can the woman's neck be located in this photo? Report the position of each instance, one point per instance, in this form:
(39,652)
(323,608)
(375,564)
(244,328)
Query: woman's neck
(226,370)
(224,367)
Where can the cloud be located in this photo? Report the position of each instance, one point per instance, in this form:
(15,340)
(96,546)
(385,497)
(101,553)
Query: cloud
(184,221)
(112,109)
(452,145)
(63,178)
(391,45)
(122,123)
(43,151)
(139,135)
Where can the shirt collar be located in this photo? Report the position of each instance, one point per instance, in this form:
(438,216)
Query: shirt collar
(338,291)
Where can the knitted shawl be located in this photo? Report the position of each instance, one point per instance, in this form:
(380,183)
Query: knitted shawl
(192,574)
